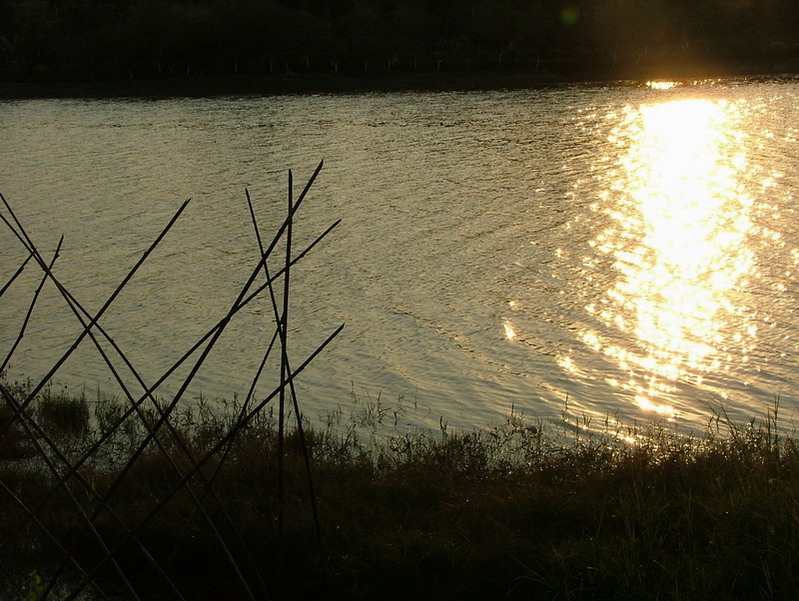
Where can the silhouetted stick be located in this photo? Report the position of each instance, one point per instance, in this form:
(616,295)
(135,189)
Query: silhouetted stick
(200,463)
(19,408)
(214,335)
(242,411)
(35,433)
(75,305)
(30,307)
(32,427)
(240,303)
(17,273)
(300,430)
(32,515)
(130,410)
(102,310)
(102,439)
(181,390)
(73,302)
(205,352)
(282,323)
(257,409)
(10,225)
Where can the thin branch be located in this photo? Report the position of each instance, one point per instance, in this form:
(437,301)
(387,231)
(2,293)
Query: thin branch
(200,463)
(17,273)
(36,389)
(25,321)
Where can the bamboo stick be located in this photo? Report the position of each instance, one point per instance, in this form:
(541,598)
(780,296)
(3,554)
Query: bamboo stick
(27,318)
(17,273)
(106,305)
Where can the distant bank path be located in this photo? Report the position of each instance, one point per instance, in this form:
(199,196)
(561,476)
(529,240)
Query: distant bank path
(388,81)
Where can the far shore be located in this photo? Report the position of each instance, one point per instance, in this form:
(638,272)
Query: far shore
(384,81)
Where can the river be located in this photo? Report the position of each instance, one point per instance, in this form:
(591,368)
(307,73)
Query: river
(617,252)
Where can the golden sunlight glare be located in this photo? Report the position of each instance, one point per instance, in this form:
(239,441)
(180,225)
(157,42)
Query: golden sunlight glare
(679,244)
(662,85)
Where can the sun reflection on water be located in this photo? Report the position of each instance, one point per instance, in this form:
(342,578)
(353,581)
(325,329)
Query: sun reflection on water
(679,245)
(662,85)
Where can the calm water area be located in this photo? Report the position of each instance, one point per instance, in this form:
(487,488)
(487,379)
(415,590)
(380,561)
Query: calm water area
(622,251)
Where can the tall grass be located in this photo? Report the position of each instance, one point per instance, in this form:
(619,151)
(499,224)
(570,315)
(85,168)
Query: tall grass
(519,511)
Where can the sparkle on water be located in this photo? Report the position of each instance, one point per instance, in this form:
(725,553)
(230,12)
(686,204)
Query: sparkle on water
(679,244)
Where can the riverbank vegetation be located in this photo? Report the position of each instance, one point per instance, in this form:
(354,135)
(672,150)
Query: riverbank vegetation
(521,511)
(361,43)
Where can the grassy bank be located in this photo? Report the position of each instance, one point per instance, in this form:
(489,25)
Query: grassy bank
(513,512)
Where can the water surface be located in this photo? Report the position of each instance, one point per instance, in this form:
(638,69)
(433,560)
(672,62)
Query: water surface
(622,251)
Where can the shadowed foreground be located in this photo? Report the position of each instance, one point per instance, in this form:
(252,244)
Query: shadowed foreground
(508,513)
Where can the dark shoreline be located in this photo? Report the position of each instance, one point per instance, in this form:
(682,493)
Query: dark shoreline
(526,511)
(356,83)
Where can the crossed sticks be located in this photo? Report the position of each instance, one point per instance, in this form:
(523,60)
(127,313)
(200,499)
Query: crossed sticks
(89,501)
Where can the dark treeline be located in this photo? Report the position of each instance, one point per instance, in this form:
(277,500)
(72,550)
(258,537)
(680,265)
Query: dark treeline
(102,40)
